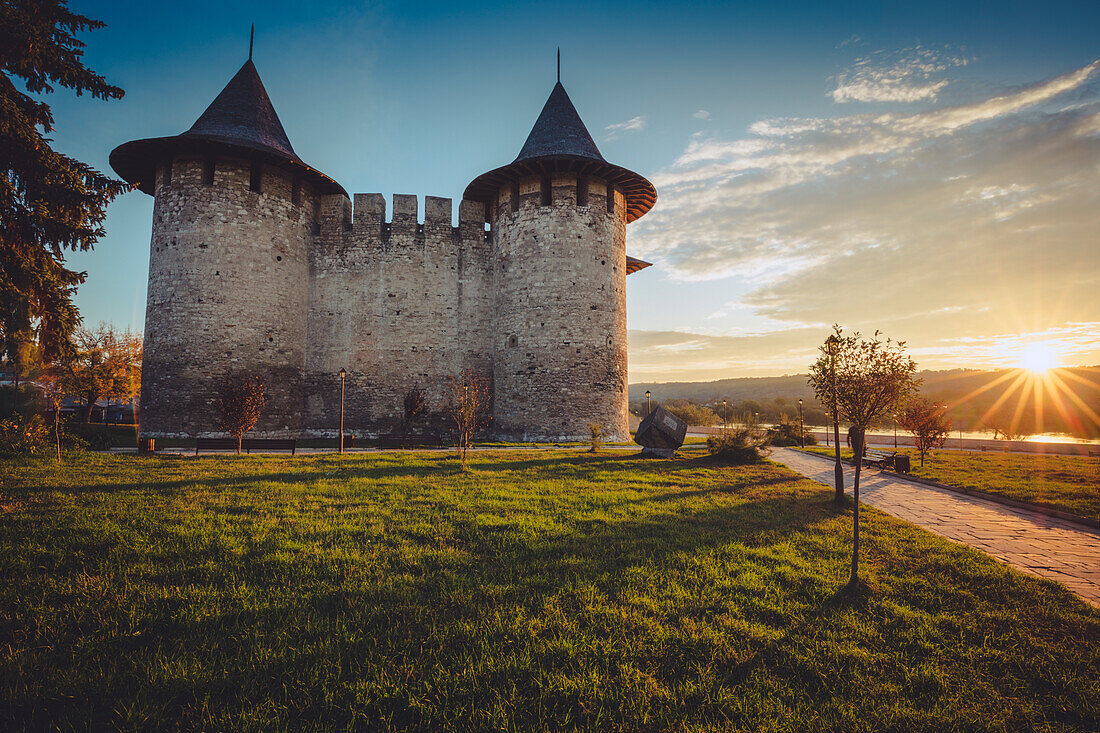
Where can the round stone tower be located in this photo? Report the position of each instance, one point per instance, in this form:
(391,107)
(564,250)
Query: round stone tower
(235,210)
(559,213)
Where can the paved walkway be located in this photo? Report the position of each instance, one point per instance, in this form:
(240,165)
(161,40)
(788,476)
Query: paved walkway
(1035,543)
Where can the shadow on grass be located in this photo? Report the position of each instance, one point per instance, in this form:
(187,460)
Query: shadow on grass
(308,469)
(442,624)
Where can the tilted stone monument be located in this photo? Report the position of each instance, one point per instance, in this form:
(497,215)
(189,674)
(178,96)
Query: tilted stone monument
(660,433)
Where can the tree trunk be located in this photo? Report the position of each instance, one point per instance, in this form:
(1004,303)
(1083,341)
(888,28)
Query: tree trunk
(57,430)
(88,409)
(853,582)
(838,468)
(239,439)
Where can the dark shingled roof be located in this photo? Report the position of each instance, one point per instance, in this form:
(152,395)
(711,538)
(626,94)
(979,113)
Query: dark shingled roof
(560,142)
(559,131)
(240,121)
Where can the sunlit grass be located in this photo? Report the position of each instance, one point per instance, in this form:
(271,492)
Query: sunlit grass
(538,591)
(1067,483)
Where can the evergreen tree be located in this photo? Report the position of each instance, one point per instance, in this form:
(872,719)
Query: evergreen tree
(49,202)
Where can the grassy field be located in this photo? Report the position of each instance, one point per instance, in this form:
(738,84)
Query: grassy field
(1069,483)
(538,591)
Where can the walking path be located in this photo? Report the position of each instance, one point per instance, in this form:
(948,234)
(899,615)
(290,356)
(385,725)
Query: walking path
(1035,543)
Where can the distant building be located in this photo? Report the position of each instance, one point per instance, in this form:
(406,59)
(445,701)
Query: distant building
(261,263)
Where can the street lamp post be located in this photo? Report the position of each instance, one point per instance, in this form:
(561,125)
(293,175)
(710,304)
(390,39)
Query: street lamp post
(725,415)
(343,377)
(801,428)
(648,410)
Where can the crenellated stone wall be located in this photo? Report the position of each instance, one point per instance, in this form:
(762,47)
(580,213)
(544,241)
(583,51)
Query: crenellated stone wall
(295,286)
(397,304)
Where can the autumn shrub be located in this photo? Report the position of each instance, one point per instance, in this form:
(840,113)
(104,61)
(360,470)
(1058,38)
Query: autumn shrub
(595,436)
(22,435)
(786,434)
(740,446)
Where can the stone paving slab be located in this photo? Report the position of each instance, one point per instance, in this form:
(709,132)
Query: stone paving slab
(1029,541)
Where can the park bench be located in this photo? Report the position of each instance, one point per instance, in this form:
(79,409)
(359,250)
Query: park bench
(247,445)
(251,444)
(211,444)
(880,458)
(396,440)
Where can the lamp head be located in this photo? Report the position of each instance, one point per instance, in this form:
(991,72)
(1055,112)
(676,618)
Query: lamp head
(343,373)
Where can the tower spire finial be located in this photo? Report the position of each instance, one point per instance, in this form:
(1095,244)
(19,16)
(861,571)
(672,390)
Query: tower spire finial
(251,33)
(559,64)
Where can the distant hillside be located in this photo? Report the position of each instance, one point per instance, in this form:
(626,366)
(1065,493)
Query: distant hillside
(1068,400)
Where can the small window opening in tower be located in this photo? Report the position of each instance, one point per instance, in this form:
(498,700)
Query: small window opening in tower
(610,199)
(513,341)
(582,190)
(208,172)
(168,173)
(255,178)
(547,191)
(296,191)
(514,195)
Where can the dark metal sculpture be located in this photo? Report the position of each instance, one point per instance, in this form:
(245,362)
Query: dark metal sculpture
(660,433)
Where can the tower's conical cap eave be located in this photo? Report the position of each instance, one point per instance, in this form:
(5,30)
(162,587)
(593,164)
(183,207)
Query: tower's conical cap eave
(560,142)
(240,121)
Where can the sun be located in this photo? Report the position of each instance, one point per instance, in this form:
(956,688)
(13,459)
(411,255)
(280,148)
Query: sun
(1038,358)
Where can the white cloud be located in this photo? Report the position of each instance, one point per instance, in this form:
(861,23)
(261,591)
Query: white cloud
(958,221)
(902,76)
(634,124)
(702,115)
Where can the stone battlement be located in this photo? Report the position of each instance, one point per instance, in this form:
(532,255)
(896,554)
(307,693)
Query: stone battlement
(342,221)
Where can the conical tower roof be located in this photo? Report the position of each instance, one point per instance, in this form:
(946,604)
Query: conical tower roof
(560,142)
(240,121)
(559,131)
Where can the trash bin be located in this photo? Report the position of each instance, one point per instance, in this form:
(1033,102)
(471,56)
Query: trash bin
(901,464)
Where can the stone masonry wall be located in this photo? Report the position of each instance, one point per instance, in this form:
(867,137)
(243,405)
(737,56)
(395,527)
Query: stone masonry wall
(560,313)
(228,287)
(295,292)
(398,305)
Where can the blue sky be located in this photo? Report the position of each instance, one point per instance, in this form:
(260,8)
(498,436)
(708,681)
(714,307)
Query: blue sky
(928,169)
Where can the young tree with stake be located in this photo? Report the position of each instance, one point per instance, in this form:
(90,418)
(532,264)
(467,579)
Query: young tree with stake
(870,379)
(823,381)
(469,408)
(243,398)
(928,423)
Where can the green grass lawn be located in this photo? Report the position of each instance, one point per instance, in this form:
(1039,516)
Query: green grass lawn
(538,591)
(1069,483)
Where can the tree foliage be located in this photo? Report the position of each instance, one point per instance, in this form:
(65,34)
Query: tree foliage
(861,381)
(49,202)
(469,409)
(928,422)
(242,400)
(103,362)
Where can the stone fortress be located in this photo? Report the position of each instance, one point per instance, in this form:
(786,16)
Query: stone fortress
(260,263)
